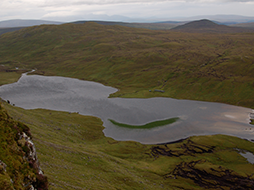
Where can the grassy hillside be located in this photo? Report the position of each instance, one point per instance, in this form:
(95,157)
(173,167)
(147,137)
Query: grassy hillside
(211,67)
(75,154)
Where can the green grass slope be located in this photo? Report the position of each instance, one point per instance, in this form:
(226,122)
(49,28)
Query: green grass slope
(8,76)
(210,67)
(75,154)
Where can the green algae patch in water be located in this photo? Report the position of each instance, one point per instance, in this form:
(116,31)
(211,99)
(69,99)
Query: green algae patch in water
(148,125)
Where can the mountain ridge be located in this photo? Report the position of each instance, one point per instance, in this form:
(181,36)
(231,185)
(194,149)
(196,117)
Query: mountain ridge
(208,26)
(224,19)
(25,23)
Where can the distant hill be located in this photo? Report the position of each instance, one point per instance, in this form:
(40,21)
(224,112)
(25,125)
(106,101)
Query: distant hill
(24,23)
(151,26)
(5,30)
(245,25)
(224,19)
(204,23)
(14,25)
(207,26)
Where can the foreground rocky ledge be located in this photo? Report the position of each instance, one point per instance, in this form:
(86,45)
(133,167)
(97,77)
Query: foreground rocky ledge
(201,171)
(19,166)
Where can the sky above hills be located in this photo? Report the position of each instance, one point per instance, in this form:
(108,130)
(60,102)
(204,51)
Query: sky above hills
(70,10)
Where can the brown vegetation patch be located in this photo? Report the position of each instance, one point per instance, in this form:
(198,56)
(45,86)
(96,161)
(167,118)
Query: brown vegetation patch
(188,148)
(214,177)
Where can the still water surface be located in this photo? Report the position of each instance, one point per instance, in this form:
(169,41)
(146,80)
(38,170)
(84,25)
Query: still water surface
(90,98)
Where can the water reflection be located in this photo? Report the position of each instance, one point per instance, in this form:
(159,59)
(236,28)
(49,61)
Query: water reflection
(90,98)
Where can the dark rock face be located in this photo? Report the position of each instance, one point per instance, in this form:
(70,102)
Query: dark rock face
(31,157)
(212,178)
(188,148)
(202,172)
(19,165)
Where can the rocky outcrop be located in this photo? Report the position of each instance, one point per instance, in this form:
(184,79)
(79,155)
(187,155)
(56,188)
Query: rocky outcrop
(187,148)
(211,178)
(2,166)
(203,172)
(31,157)
(19,165)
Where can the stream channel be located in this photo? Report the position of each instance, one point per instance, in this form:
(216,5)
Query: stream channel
(91,98)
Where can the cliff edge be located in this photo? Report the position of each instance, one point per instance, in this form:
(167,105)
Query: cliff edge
(19,165)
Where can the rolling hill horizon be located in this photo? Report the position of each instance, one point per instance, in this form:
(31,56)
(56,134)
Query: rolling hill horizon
(223,19)
(186,26)
(25,23)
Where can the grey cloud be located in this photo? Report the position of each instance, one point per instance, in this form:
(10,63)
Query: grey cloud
(109,2)
(73,9)
(101,2)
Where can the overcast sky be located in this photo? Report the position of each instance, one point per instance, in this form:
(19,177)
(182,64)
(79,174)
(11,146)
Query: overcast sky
(70,10)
